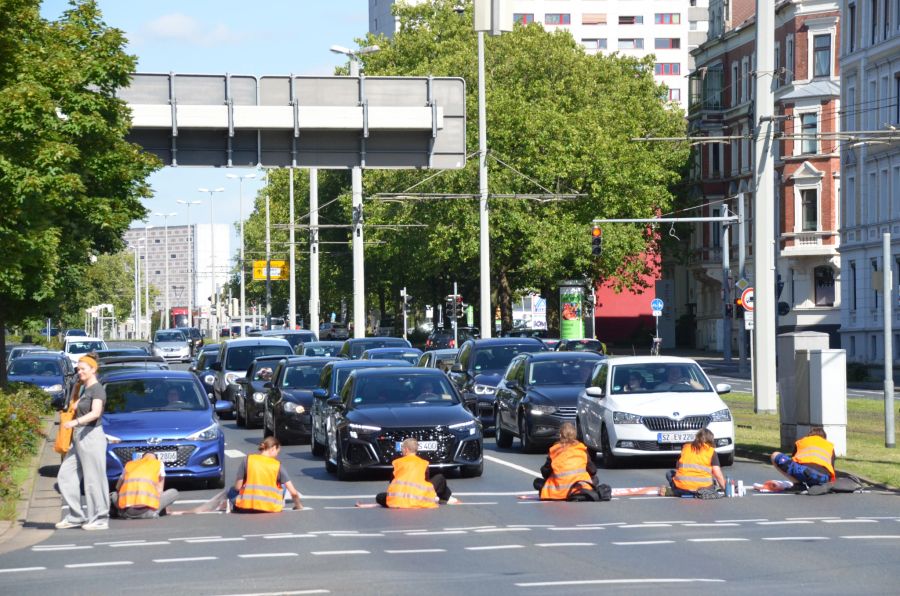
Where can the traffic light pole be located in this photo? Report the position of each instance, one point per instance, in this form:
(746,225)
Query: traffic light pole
(403,295)
(726,290)
(455,337)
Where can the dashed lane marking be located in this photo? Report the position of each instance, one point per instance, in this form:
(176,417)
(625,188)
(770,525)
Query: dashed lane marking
(266,534)
(741,521)
(530,526)
(287,536)
(646,526)
(114,542)
(495,547)
(554,544)
(157,543)
(811,518)
(492,530)
(346,535)
(436,533)
(588,582)
(470,528)
(205,540)
(267,555)
(99,564)
(234,453)
(795,538)
(339,552)
(21,569)
(47,549)
(873,537)
(333,532)
(508,464)
(602,524)
(403,531)
(664,521)
(185,559)
(193,538)
(291,593)
(712,525)
(412,551)
(718,539)
(644,542)
(577,529)
(784,523)
(850,521)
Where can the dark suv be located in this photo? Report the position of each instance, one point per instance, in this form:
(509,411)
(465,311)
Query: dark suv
(440,339)
(480,365)
(354,347)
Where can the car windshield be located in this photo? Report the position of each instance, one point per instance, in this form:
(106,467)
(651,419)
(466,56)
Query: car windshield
(264,370)
(168,336)
(411,357)
(402,390)
(495,359)
(83,347)
(25,366)
(153,395)
(296,338)
(207,359)
(582,345)
(560,372)
(303,376)
(683,377)
(321,350)
(240,357)
(357,348)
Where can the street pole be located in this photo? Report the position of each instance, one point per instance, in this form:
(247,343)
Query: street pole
(887,285)
(292,301)
(137,293)
(359,281)
(403,295)
(455,326)
(268,268)
(166,217)
(726,289)
(240,180)
(742,273)
(314,250)
(213,328)
(483,216)
(147,279)
(764,212)
(190,260)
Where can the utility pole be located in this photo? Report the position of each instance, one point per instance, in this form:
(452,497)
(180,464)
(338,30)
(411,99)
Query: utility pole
(314,250)
(268,267)
(726,290)
(764,212)
(484,233)
(292,300)
(888,287)
(742,272)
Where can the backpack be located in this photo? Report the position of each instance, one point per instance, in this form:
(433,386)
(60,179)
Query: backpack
(585,491)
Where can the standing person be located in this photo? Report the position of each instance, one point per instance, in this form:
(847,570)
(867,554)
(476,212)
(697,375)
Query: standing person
(261,482)
(567,465)
(411,487)
(812,463)
(86,460)
(139,491)
(697,472)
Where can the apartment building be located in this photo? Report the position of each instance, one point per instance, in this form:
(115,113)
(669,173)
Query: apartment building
(870,97)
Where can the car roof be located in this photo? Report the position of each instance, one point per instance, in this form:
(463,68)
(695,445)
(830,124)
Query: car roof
(401,370)
(136,358)
(129,374)
(302,359)
(282,332)
(255,341)
(443,351)
(545,356)
(369,363)
(336,342)
(373,338)
(75,338)
(652,360)
(392,349)
(44,355)
(504,341)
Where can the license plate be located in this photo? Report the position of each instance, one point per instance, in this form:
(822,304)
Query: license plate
(167,456)
(675,437)
(423,446)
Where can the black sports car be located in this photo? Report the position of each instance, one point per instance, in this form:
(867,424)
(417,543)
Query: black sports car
(288,407)
(380,407)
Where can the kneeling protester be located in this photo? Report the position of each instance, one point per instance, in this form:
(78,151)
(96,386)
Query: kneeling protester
(411,487)
(139,491)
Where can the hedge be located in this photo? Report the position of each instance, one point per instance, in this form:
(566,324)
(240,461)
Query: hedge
(21,429)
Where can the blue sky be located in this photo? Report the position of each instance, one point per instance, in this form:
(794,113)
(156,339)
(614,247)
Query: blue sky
(219,36)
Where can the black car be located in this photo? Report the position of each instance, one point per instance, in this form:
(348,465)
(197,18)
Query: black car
(319,348)
(118,363)
(51,371)
(528,332)
(194,336)
(581,345)
(479,366)
(250,402)
(202,367)
(295,337)
(440,339)
(334,375)
(354,347)
(442,359)
(538,392)
(379,408)
(289,398)
(117,352)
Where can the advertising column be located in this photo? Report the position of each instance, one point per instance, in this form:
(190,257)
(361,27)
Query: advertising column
(571,300)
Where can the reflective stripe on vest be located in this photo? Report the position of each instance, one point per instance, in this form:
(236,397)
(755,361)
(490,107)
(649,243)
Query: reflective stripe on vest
(409,489)
(261,491)
(815,450)
(569,464)
(694,469)
(139,484)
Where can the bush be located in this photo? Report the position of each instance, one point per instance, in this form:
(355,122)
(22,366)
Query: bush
(21,429)
(857,371)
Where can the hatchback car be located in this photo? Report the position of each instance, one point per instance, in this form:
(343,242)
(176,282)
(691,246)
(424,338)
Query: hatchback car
(77,346)
(440,339)
(250,402)
(168,413)
(50,371)
(442,359)
(333,331)
(379,408)
(171,344)
(202,367)
(295,337)
(319,348)
(353,348)
(287,411)
(581,345)
(235,357)
(641,406)
(411,355)
(22,349)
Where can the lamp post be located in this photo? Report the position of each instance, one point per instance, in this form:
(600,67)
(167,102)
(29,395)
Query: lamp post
(213,330)
(190,270)
(166,217)
(241,208)
(359,288)
(137,289)
(147,229)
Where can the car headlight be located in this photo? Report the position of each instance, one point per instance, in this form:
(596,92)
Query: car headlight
(292,408)
(541,410)
(484,389)
(112,439)
(721,416)
(259,397)
(209,379)
(364,429)
(53,388)
(469,427)
(231,378)
(207,434)
(626,418)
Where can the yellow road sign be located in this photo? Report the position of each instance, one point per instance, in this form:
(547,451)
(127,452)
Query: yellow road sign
(278,270)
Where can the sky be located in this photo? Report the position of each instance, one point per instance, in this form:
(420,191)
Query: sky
(274,37)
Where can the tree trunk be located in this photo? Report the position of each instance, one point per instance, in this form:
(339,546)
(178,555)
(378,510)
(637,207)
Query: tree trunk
(504,298)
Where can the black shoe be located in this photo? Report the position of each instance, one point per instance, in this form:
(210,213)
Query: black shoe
(797,487)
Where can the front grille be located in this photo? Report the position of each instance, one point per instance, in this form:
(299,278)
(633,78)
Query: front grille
(567,412)
(654,446)
(662,423)
(184,453)
(446,442)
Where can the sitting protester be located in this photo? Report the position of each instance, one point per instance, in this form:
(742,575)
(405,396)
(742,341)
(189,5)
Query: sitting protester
(139,491)
(411,487)
(568,469)
(812,463)
(261,482)
(697,472)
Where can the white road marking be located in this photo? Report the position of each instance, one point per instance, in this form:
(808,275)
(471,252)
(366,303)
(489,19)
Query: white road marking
(812,518)
(346,535)
(292,593)
(661,521)
(332,532)
(99,564)
(503,462)
(339,552)
(530,526)
(140,544)
(800,538)
(850,521)
(718,539)
(464,503)
(234,453)
(266,555)
(192,538)
(740,521)
(47,549)
(784,523)
(712,525)
(552,544)
(412,551)
(472,528)
(403,531)
(644,542)
(286,536)
(587,582)
(185,559)
(491,530)
(496,494)
(646,526)
(495,547)
(118,542)
(266,534)
(873,537)
(437,533)
(577,529)
(204,540)
(603,524)
(18,569)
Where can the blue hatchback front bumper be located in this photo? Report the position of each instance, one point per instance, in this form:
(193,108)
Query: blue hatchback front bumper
(183,459)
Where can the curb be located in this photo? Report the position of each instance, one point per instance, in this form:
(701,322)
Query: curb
(27,490)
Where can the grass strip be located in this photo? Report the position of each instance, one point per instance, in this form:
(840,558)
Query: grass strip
(9,502)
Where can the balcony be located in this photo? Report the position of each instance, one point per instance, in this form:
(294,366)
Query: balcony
(705,89)
(808,244)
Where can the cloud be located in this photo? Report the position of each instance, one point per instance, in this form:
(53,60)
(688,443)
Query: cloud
(186,29)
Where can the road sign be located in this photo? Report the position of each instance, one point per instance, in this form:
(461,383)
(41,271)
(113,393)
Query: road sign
(747,299)
(657,313)
(742,284)
(656,304)
(278,270)
(748,320)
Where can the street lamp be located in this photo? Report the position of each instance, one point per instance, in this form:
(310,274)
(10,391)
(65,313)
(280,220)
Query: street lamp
(147,229)
(240,180)
(166,217)
(359,298)
(213,331)
(190,271)
(137,288)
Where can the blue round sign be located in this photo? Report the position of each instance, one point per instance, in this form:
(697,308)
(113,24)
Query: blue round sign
(656,304)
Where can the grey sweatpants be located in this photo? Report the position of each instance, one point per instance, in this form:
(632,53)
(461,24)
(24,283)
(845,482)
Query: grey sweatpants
(85,460)
(167,497)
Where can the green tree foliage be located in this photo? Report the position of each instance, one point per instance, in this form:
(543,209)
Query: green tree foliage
(110,280)
(69,182)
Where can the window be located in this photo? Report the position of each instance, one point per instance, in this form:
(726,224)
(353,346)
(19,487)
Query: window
(874,274)
(667,43)
(897,99)
(593,18)
(808,131)
(824,279)
(674,94)
(557,18)
(745,75)
(887,18)
(157,272)
(809,210)
(789,59)
(874,14)
(523,18)
(852,345)
(822,55)
(156,241)
(853,295)
(735,78)
(779,79)
(594,44)
(631,43)
(851,18)
(667,68)
(715,160)
(627,20)
(668,18)
(173,256)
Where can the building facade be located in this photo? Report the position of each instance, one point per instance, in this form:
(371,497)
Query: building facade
(870,94)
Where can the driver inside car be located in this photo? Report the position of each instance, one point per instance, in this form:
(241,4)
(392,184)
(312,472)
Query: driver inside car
(677,377)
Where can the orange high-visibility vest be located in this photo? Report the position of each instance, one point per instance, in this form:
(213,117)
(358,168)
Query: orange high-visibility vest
(694,469)
(139,484)
(261,491)
(815,450)
(409,489)
(569,464)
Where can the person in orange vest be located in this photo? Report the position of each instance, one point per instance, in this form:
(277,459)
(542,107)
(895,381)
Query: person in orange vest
(697,471)
(567,465)
(139,492)
(261,482)
(812,463)
(411,487)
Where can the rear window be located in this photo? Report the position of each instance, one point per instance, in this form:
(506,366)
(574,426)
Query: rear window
(561,372)
(83,347)
(240,358)
(153,395)
(357,348)
(495,359)
(167,336)
(303,376)
(32,367)
(313,350)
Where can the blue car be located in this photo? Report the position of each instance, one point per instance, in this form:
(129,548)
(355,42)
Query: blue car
(51,371)
(166,412)
(411,355)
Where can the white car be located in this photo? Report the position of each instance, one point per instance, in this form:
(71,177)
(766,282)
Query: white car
(76,346)
(648,406)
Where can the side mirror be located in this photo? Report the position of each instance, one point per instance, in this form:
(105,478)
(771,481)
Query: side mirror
(320,393)
(512,384)
(215,366)
(594,392)
(723,388)
(334,402)
(222,406)
(241,380)
(192,369)
(457,368)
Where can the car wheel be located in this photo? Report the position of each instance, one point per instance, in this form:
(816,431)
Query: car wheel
(503,437)
(216,483)
(609,458)
(727,459)
(591,452)
(472,471)
(317,448)
(339,469)
(238,418)
(528,445)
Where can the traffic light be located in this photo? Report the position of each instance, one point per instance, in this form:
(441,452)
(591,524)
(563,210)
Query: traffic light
(596,241)
(460,310)
(738,308)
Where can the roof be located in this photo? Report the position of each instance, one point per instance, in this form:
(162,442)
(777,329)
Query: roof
(822,88)
(652,360)
(586,355)
(268,332)
(368,363)
(256,341)
(505,341)
(145,373)
(302,359)
(43,355)
(400,370)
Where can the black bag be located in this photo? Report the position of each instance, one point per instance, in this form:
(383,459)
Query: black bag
(605,492)
(583,491)
(849,484)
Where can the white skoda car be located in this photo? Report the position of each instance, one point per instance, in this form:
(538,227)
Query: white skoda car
(649,405)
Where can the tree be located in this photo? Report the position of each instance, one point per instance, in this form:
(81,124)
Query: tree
(69,182)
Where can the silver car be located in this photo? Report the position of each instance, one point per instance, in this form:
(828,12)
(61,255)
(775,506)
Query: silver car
(172,345)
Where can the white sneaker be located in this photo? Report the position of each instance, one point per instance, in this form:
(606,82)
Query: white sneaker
(452,501)
(66,524)
(97,524)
